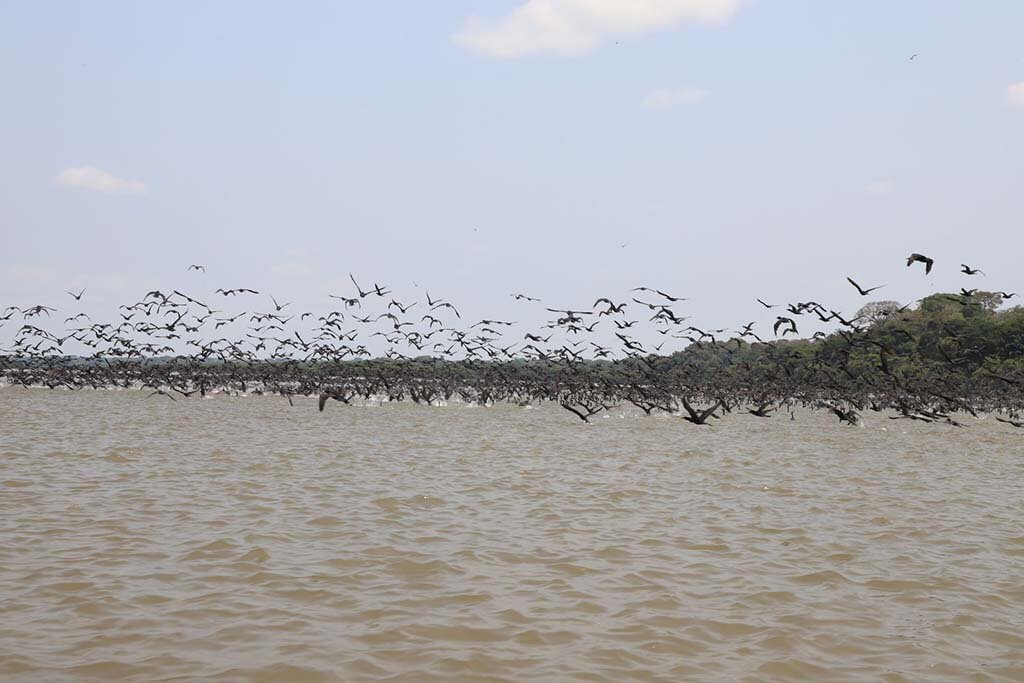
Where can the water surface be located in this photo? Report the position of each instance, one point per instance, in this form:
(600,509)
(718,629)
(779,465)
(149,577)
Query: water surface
(240,539)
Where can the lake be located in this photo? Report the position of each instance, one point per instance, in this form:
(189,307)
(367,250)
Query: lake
(243,539)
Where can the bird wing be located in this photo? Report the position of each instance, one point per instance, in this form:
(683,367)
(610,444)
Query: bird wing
(706,413)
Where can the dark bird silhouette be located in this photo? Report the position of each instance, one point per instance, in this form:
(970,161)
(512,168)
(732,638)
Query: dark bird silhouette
(659,292)
(337,396)
(767,305)
(362,294)
(850,417)
(571,314)
(863,292)
(928,263)
(967,270)
(763,410)
(519,297)
(400,307)
(782,320)
(197,267)
(698,417)
(161,392)
(612,307)
(445,304)
(349,303)
(671,298)
(78,297)
(34,311)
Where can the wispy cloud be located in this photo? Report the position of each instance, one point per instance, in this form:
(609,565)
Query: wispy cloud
(667,97)
(575,26)
(90,178)
(1015,95)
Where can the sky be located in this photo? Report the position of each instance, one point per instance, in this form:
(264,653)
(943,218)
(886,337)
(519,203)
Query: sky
(720,150)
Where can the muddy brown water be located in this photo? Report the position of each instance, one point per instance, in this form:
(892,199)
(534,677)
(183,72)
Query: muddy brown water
(240,539)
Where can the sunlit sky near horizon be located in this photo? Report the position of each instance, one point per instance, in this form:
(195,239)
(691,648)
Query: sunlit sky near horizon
(720,150)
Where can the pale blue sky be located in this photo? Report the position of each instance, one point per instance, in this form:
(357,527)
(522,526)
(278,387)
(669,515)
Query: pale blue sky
(285,144)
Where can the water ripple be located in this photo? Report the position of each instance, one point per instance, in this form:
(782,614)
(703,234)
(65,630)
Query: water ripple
(245,540)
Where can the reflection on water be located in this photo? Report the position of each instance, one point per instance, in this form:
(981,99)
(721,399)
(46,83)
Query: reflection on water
(239,539)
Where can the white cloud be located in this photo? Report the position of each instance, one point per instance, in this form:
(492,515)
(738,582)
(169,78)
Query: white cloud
(665,97)
(576,26)
(1015,95)
(89,178)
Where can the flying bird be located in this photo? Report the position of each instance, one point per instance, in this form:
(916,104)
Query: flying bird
(928,263)
(670,297)
(658,291)
(362,294)
(78,297)
(863,292)
(698,417)
(197,267)
(445,304)
(161,392)
(782,320)
(967,270)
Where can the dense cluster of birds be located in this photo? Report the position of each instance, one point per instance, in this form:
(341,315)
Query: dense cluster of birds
(176,345)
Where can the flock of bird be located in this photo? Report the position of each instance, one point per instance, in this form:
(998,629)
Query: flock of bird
(160,344)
